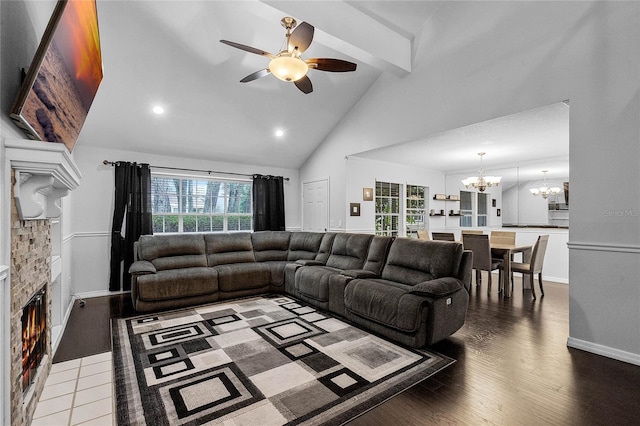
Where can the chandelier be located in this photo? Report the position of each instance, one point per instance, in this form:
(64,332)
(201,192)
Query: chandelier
(481,182)
(544,190)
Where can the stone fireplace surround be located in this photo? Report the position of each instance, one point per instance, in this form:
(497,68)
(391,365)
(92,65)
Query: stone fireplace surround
(30,272)
(37,175)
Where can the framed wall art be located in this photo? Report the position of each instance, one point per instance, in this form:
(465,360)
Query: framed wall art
(367,194)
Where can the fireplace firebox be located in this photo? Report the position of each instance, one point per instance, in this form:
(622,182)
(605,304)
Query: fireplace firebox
(34,336)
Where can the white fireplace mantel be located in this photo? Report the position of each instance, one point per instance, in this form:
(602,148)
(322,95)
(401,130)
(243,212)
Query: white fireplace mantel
(44,173)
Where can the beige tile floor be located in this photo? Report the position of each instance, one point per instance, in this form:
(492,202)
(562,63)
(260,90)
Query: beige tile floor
(78,392)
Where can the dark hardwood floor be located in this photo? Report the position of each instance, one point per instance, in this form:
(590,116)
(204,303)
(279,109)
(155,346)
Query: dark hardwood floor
(513,367)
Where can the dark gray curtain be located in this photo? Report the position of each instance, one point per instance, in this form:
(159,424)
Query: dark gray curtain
(132,201)
(268,203)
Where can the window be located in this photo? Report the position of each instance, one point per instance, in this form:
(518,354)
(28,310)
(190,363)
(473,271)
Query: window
(415,208)
(466,209)
(483,202)
(200,205)
(387,208)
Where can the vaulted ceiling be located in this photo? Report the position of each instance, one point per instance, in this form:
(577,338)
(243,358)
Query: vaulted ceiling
(168,53)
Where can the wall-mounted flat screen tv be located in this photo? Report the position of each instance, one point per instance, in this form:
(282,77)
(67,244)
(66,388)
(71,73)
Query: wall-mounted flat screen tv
(62,81)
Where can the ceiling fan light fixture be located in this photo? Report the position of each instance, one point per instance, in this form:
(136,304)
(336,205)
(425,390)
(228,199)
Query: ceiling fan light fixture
(288,67)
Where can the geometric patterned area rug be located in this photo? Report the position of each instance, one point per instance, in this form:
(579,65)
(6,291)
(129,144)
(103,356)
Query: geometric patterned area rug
(260,361)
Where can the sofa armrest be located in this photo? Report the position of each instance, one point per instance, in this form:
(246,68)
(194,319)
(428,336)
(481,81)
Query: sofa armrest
(309,262)
(142,267)
(466,266)
(359,273)
(437,288)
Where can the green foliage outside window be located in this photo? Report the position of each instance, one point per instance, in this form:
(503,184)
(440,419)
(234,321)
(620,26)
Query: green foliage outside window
(200,205)
(387,208)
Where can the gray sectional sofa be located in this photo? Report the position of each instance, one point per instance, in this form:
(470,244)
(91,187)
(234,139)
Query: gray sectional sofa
(415,292)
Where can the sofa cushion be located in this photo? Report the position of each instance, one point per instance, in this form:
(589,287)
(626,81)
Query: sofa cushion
(228,248)
(377,255)
(325,247)
(313,281)
(242,276)
(177,283)
(276,268)
(309,262)
(385,302)
(304,245)
(412,261)
(349,251)
(173,251)
(270,245)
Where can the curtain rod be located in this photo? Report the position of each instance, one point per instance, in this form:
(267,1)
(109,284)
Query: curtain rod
(113,163)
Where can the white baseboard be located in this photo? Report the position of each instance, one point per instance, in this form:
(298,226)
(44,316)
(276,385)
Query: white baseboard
(607,351)
(100,293)
(544,278)
(556,279)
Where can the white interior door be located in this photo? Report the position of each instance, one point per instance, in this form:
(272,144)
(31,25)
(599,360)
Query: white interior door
(316,206)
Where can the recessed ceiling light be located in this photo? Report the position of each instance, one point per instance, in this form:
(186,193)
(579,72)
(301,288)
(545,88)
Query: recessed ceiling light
(158,109)
(279,133)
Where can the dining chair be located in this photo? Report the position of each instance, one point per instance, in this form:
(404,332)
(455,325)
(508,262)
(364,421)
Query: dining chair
(423,234)
(502,237)
(482,261)
(443,236)
(472,231)
(534,267)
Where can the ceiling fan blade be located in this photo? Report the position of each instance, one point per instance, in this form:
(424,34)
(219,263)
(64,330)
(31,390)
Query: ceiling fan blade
(256,75)
(304,84)
(247,48)
(301,37)
(329,64)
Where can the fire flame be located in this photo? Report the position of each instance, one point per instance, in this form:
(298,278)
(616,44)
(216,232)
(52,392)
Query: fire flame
(33,337)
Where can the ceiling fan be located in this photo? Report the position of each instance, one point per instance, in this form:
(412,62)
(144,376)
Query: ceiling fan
(287,65)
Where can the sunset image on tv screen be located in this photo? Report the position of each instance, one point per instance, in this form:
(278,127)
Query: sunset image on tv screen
(68,78)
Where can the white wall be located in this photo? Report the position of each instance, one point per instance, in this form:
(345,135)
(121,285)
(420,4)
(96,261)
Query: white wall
(363,173)
(481,60)
(556,260)
(91,208)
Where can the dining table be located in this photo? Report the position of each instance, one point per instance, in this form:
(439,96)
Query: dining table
(505,251)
